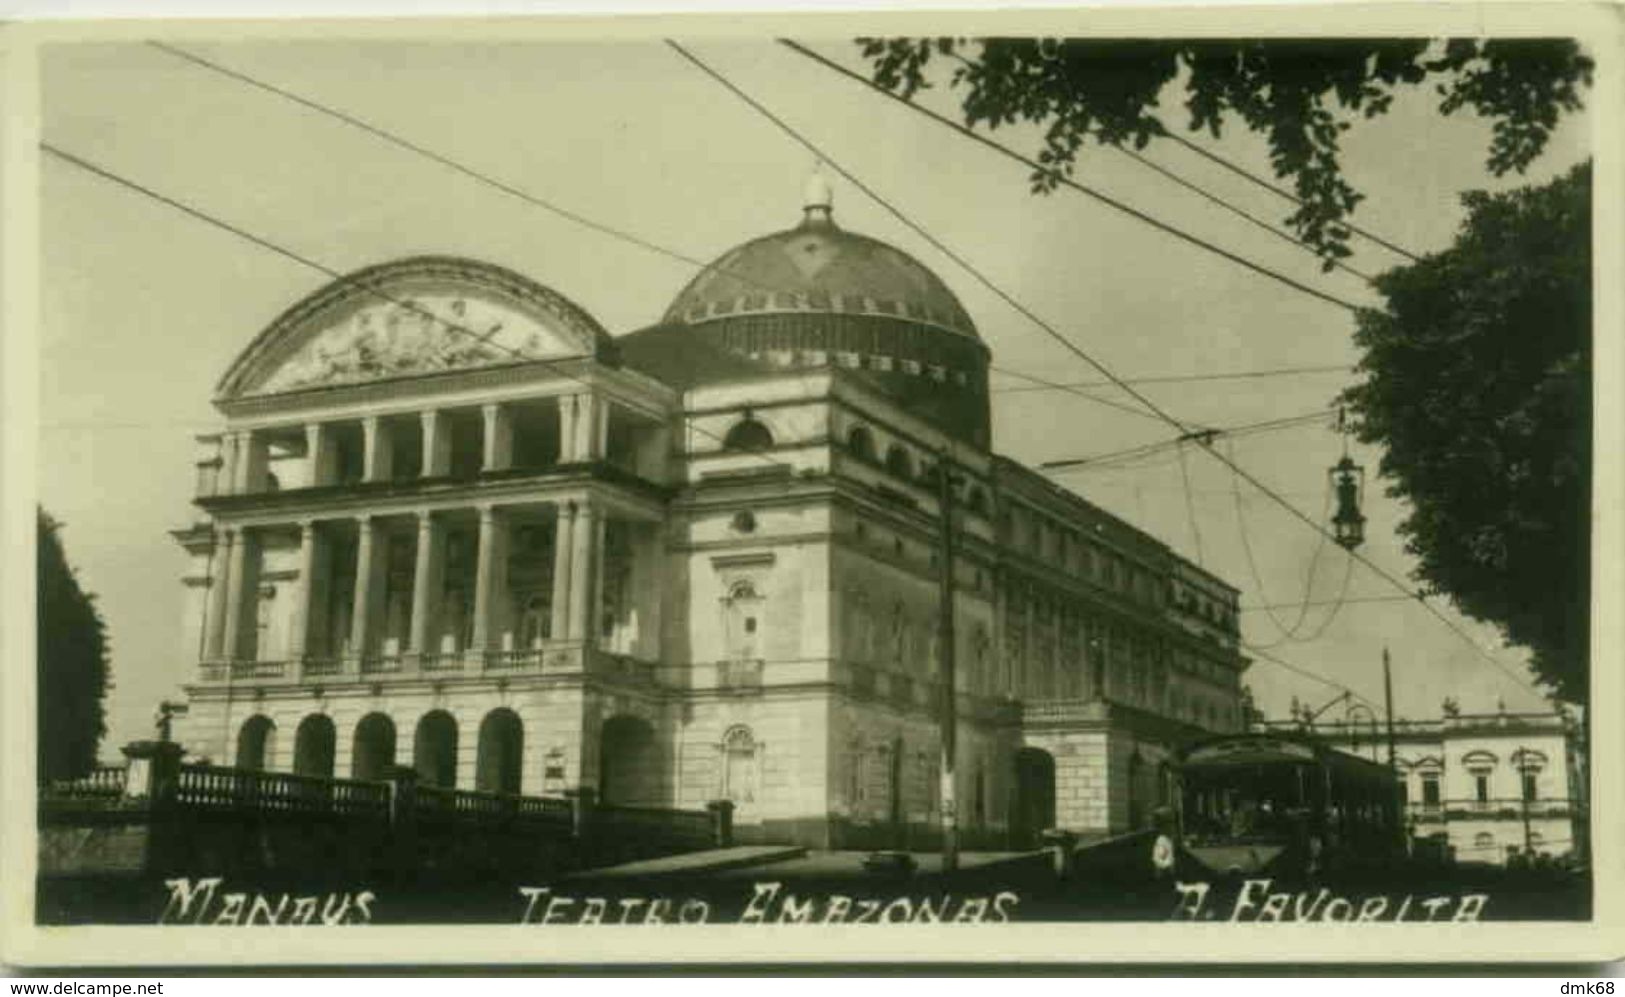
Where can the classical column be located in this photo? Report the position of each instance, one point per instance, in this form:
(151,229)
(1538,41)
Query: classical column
(498,438)
(231,640)
(319,453)
(219,595)
(228,464)
(243,467)
(436,444)
(485,581)
(583,571)
(567,429)
(304,592)
(587,432)
(367,585)
(376,453)
(563,545)
(426,582)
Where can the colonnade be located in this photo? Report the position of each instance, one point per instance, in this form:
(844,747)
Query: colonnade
(583,427)
(577,583)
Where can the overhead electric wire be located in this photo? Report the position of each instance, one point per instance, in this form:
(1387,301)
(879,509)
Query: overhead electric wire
(1040,384)
(1263,654)
(1328,602)
(1025,160)
(1279,191)
(267,244)
(631,238)
(1238,375)
(1242,213)
(1229,432)
(1250,478)
(427,153)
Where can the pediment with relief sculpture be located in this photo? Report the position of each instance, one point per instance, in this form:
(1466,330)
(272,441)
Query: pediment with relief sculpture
(408,318)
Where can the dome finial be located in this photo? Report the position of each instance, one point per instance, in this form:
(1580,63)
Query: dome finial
(817,200)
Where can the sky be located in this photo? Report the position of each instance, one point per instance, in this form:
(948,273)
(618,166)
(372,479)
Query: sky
(143,308)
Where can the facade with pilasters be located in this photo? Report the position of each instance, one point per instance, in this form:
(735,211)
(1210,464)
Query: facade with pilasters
(451,523)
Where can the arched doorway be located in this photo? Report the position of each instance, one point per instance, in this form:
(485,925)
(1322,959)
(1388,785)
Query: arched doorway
(313,746)
(255,740)
(1035,795)
(374,747)
(628,762)
(434,749)
(502,739)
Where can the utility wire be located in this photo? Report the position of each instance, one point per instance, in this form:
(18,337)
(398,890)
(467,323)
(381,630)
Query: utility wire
(1040,384)
(263,243)
(1279,191)
(1237,375)
(1046,327)
(523,195)
(1010,153)
(427,153)
(1245,429)
(1239,212)
(1306,673)
(1328,602)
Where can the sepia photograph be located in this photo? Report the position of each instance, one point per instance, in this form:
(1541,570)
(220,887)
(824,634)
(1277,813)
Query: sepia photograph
(905,471)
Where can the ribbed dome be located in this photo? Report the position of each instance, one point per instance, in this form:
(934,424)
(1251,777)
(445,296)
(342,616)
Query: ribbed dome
(819,267)
(816,297)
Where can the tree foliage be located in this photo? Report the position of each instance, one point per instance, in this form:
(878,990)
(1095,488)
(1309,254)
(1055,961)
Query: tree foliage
(1477,383)
(1302,95)
(71,664)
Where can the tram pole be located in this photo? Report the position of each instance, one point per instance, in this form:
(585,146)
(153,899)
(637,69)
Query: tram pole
(950,695)
(1388,707)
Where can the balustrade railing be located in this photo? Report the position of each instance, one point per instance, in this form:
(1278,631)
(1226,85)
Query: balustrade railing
(258,669)
(440,662)
(472,804)
(513,660)
(381,664)
(317,667)
(103,783)
(218,787)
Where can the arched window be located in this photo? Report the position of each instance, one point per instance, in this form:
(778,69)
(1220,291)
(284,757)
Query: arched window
(313,746)
(899,462)
(860,443)
(434,749)
(739,768)
(1483,841)
(748,434)
(501,745)
(373,753)
(254,743)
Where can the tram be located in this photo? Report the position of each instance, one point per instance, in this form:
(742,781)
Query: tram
(1284,805)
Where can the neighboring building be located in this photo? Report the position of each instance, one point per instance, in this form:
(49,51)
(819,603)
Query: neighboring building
(451,523)
(1489,784)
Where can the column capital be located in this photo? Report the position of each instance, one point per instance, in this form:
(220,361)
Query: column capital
(365,520)
(425,518)
(370,421)
(490,409)
(487,511)
(428,415)
(307,525)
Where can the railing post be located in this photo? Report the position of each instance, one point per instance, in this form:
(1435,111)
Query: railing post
(152,772)
(581,800)
(403,816)
(722,822)
(1063,847)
